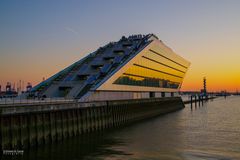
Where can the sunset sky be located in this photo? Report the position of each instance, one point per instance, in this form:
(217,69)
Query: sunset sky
(39,38)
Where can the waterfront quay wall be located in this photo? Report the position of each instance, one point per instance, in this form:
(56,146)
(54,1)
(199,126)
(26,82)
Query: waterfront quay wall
(27,125)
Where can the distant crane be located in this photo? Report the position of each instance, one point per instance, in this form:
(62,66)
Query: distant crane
(29,87)
(8,87)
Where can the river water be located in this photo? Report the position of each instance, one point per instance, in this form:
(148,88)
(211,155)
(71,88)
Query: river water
(210,131)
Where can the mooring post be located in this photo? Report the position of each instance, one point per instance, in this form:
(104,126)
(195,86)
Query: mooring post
(199,99)
(191,101)
(195,100)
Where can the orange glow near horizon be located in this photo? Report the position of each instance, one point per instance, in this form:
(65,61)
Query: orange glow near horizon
(220,67)
(222,72)
(220,77)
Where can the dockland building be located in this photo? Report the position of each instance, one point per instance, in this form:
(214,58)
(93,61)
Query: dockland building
(135,67)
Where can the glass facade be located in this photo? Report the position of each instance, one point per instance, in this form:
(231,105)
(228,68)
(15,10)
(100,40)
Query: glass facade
(156,68)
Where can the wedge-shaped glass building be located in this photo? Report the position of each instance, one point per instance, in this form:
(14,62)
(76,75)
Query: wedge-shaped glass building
(140,66)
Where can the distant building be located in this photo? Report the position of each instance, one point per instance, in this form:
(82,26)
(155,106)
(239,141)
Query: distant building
(134,67)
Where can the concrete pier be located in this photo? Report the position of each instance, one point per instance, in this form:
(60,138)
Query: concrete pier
(33,125)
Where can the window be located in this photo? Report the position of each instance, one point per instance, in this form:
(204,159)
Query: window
(163,94)
(151,94)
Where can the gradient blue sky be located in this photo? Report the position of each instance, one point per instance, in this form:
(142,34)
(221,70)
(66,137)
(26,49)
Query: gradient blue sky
(39,38)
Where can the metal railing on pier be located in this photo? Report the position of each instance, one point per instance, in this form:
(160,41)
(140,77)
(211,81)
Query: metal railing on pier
(17,107)
(19,101)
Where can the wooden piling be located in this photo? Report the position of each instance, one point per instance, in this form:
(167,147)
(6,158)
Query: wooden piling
(70,123)
(16,132)
(59,126)
(75,122)
(23,131)
(47,128)
(65,124)
(79,119)
(32,130)
(84,120)
(52,127)
(39,129)
(6,132)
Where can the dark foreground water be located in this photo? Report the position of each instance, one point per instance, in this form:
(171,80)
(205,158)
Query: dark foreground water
(207,132)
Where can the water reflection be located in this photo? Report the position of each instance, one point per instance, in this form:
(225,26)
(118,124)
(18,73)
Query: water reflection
(85,147)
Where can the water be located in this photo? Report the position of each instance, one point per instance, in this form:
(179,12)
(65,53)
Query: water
(207,132)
